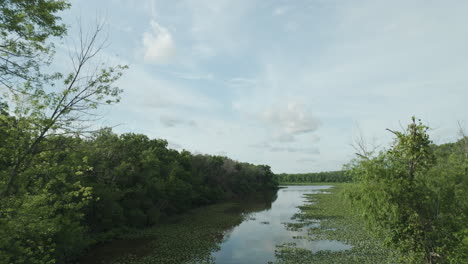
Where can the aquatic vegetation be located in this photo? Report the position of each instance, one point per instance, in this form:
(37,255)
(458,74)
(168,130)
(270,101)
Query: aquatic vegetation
(188,238)
(340,236)
(327,231)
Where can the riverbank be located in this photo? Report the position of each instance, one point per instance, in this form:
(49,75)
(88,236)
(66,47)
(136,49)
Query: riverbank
(306,183)
(337,223)
(320,228)
(187,238)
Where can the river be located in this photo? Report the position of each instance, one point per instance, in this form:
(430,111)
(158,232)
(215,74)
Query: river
(257,237)
(243,231)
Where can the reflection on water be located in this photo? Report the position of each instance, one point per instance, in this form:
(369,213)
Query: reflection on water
(244,231)
(255,239)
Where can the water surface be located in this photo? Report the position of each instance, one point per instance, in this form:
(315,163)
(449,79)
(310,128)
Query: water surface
(256,239)
(242,231)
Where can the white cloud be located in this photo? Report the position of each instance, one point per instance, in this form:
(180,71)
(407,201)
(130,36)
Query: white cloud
(291,118)
(158,43)
(374,63)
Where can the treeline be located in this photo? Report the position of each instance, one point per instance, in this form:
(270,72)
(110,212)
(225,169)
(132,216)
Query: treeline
(415,194)
(81,190)
(325,176)
(63,186)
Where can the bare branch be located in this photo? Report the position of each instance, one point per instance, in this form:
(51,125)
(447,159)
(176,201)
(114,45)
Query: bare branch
(362,147)
(69,110)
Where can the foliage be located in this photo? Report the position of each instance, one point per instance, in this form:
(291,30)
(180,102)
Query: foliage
(44,227)
(25,27)
(337,222)
(139,180)
(324,176)
(417,191)
(60,192)
(77,189)
(39,114)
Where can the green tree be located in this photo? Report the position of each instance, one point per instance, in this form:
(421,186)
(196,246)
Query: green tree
(25,27)
(44,223)
(403,193)
(64,110)
(42,199)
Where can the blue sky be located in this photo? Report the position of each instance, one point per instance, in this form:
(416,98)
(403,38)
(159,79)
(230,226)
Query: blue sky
(283,83)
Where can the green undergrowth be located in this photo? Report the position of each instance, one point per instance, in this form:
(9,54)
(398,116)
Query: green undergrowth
(337,222)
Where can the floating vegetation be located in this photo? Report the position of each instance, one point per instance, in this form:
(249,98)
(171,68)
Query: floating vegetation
(299,237)
(301,225)
(191,238)
(338,235)
(326,231)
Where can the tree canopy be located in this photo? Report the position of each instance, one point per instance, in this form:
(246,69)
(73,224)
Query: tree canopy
(25,27)
(324,176)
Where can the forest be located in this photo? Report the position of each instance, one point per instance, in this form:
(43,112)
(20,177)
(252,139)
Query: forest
(76,192)
(65,185)
(314,177)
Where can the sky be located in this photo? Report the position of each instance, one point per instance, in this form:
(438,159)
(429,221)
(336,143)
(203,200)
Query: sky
(290,84)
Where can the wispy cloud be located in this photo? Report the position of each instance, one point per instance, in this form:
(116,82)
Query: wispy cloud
(150,92)
(295,75)
(158,43)
(241,82)
(291,118)
(172,121)
(287,149)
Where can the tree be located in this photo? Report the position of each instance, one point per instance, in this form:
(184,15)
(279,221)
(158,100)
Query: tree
(25,27)
(40,114)
(413,198)
(41,195)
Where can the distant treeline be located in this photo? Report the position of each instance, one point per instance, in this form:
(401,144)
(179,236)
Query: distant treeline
(75,191)
(325,176)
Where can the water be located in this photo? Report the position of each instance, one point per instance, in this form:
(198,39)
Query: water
(256,239)
(270,220)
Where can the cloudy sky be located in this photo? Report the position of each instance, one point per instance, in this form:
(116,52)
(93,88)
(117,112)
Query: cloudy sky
(283,83)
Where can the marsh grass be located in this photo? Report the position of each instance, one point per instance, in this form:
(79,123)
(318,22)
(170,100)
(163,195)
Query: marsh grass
(192,237)
(339,223)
